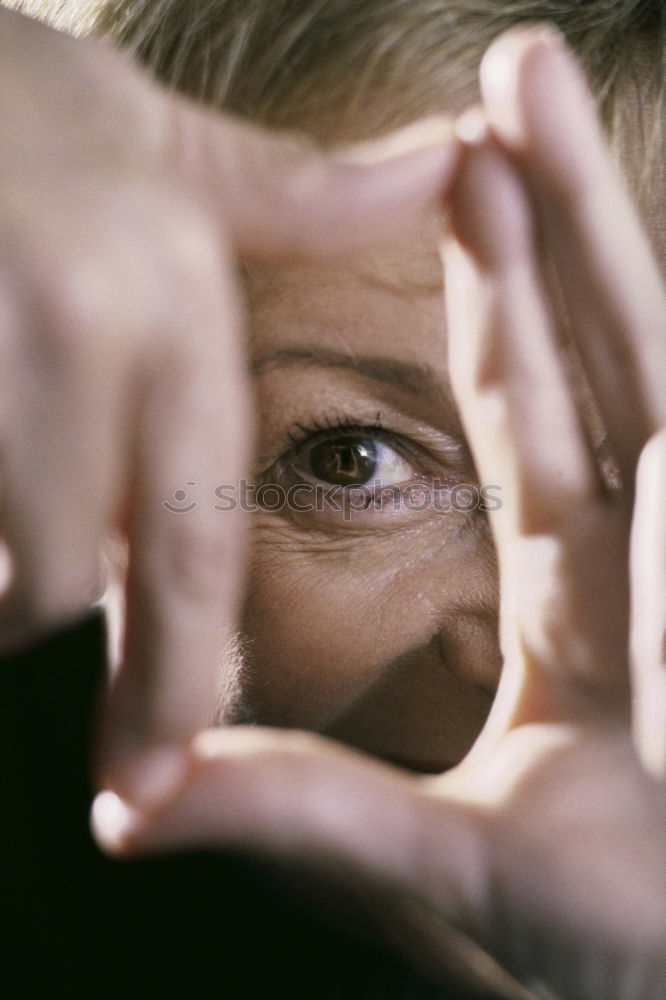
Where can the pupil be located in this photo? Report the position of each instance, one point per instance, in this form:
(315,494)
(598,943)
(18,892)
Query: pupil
(344,462)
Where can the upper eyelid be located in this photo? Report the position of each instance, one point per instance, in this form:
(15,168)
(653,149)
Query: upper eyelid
(335,422)
(306,436)
(429,447)
(421,462)
(386,437)
(452,453)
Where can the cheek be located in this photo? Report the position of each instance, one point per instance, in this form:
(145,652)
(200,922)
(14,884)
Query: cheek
(327,623)
(320,630)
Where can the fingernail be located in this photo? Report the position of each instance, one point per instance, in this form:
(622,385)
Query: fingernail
(149,778)
(433,131)
(114,821)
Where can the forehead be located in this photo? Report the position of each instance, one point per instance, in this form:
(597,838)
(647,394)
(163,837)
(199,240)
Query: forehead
(388,300)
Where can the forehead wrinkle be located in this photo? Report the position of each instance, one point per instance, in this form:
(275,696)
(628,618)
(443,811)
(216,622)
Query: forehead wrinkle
(411,270)
(411,379)
(404,285)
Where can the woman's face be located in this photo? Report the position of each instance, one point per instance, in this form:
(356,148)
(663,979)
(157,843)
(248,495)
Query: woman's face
(375,623)
(373,618)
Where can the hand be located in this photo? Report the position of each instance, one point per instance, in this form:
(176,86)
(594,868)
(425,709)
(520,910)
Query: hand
(546,847)
(121,367)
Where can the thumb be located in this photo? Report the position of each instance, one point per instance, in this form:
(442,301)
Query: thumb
(417,853)
(282,198)
(301,798)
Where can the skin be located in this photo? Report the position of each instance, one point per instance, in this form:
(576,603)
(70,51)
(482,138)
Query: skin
(404,659)
(545,847)
(112,184)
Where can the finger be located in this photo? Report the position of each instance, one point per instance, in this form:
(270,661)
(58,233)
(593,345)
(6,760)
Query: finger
(541,110)
(276,200)
(311,803)
(525,434)
(260,789)
(191,434)
(507,375)
(283,199)
(61,378)
(648,606)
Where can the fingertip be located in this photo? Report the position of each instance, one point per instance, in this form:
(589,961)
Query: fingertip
(148,778)
(472,127)
(309,205)
(382,189)
(435,130)
(509,71)
(114,823)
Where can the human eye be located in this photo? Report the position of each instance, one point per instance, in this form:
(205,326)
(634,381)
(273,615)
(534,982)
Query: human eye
(343,473)
(351,457)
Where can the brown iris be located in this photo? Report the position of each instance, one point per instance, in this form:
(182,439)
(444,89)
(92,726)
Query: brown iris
(345,461)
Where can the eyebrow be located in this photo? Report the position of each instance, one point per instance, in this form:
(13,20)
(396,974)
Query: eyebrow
(411,379)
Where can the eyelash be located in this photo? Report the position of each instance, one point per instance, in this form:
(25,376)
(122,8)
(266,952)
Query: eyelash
(299,433)
(334,425)
(301,438)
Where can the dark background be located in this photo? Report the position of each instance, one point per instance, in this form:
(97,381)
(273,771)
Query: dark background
(79,924)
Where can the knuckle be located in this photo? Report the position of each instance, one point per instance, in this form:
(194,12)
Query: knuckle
(192,269)
(71,308)
(192,243)
(71,289)
(92,298)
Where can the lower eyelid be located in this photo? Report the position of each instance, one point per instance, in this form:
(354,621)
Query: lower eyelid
(355,513)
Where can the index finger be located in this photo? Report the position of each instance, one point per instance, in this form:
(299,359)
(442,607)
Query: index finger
(190,433)
(544,115)
(266,199)
(561,548)
(283,199)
